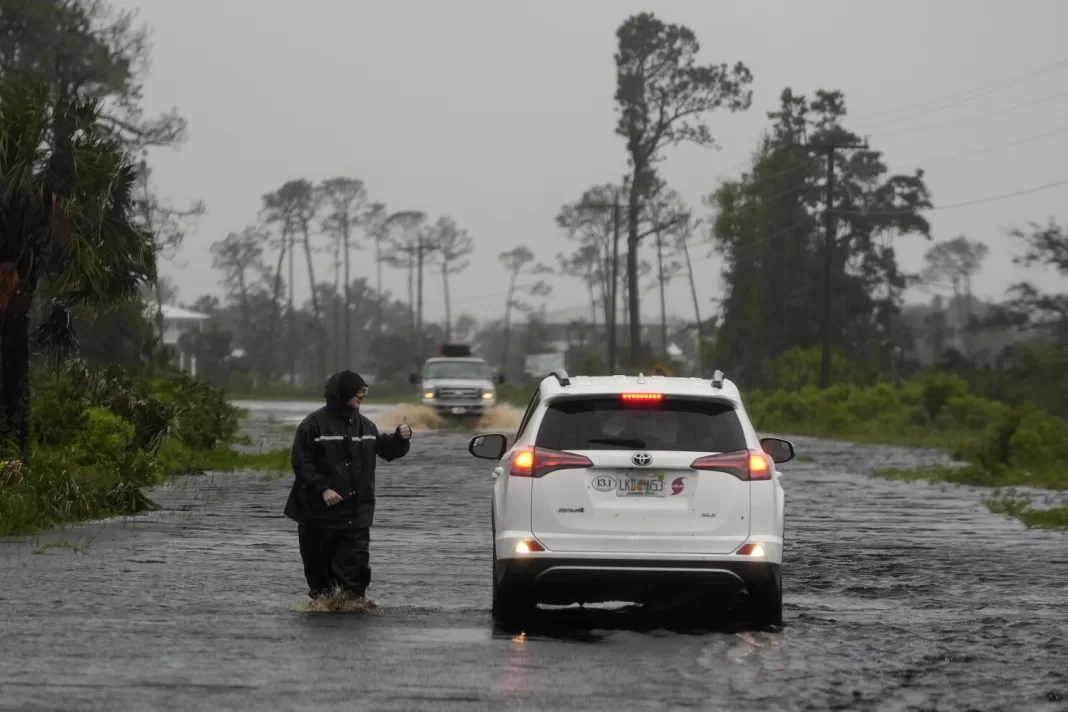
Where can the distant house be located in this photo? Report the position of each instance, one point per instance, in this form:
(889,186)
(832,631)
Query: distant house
(574,328)
(176,322)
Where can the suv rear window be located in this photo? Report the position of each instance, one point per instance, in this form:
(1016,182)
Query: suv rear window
(672,424)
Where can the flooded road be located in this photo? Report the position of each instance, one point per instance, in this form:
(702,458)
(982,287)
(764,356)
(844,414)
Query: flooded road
(898,596)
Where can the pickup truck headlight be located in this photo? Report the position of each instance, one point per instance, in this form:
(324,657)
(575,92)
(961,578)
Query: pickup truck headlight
(428,395)
(487,395)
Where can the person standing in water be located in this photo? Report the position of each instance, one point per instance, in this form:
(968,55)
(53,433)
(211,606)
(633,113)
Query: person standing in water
(333,495)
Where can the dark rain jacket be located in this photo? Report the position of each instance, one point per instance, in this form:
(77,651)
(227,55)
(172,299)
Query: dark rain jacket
(335,448)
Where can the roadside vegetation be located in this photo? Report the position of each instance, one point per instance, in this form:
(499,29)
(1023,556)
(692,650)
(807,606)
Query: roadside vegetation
(82,230)
(998,444)
(99,438)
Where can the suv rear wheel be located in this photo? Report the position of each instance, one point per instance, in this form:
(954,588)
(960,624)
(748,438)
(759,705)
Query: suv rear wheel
(509,608)
(764,604)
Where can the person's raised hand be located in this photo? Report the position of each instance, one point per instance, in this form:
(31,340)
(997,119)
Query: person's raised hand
(404,430)
(331,497)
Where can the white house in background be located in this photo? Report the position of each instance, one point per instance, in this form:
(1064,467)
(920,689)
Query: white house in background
(178,321)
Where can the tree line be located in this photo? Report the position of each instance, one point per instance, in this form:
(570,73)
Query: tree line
(83,230)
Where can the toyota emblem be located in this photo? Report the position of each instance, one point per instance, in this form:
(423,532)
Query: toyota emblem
(642,459)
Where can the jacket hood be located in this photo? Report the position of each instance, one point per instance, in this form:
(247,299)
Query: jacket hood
(341,387)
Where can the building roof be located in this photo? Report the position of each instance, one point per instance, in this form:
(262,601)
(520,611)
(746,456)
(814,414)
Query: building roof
(173,312)
(579,313)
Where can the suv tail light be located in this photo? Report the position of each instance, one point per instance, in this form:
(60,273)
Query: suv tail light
(538,462)
(746,465)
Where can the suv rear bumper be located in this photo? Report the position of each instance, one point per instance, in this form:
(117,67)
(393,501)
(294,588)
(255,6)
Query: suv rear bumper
(564,581)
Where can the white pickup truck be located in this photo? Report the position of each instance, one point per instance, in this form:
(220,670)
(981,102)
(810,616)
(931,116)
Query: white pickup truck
(457,384)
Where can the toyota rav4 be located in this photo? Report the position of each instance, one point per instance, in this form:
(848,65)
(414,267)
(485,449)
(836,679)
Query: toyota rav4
(636,489)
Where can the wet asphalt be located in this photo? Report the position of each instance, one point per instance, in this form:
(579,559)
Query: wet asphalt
(898,596)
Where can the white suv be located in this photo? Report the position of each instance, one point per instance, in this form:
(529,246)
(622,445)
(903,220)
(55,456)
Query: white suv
(636,489)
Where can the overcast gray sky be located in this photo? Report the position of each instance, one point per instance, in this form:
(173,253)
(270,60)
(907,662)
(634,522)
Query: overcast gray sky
(497,112)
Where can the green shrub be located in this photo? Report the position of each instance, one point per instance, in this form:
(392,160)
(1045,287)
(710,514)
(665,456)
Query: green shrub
(99,437)
(1039,440)
(104,437)
(937,388)
(202,419)
(973,413)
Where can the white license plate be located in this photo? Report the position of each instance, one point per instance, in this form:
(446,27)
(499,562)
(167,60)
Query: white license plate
(650,486)
(459,411)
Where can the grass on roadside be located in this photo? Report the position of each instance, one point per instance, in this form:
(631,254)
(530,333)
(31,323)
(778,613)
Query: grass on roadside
(58,490)
(226,460)
(1019,507)
(1053,478)
(63,544)
(955,441)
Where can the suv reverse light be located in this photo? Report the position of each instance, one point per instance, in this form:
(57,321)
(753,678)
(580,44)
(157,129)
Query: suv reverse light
(538,462)
(528,545)
(750,550)
(746,465)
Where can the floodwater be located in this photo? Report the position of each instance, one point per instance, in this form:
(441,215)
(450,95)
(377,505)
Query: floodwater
(898,596)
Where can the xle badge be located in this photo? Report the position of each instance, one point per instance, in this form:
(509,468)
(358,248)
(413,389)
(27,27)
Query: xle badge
(570,510)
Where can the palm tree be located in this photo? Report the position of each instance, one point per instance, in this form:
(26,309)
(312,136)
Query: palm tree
(67,236)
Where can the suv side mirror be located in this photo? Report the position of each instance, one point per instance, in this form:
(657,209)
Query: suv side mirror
(778,449)
(488,447)
(499,379)
(414,379)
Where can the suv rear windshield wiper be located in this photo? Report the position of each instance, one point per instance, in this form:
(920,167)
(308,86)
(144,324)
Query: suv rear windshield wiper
(622,442)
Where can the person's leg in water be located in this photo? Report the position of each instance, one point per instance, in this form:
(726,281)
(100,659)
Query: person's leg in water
(350,561)
(316,549)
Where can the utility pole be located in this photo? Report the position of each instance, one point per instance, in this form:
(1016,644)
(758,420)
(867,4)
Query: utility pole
(829,243)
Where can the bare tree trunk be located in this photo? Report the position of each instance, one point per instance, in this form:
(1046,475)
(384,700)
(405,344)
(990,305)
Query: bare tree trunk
(15,378)
(411,299)
(419,313)
(275,310)
(696,306)
(335,337)
(246,317)
(448,308)
(159,320)
(508,322)
(347,353)
(146,214)
(314,298)
(378,267)
(663,306)
(634,307)
(292,316)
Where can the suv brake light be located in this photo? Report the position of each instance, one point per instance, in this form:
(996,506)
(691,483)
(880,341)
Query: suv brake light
(642,397)
(745,465)
(538,462)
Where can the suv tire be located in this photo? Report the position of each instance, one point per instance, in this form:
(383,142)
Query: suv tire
(764,605)
(508,608)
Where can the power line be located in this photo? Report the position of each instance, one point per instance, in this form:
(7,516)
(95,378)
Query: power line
(944,103)
(802,223)
(993,149)
(967,95)
(975,117)
(964,204)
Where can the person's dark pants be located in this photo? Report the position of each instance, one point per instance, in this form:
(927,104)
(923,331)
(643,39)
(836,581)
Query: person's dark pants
(335,559)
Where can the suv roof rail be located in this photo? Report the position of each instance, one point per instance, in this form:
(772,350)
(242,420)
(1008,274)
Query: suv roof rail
(717,379)
(561,377)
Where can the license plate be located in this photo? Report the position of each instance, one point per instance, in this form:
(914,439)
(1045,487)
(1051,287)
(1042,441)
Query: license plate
(459,411)
(648,486)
